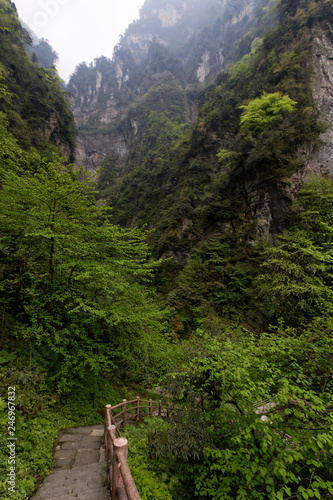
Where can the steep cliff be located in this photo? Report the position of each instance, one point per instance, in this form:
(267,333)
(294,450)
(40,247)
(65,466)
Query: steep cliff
(270,201)
(150,119)
(188,42)
(322,84)
(35,105)
(201,35)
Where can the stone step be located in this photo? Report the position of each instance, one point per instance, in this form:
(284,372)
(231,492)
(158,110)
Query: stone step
(78,467)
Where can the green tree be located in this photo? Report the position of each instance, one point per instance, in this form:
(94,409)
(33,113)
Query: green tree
(296,276)
(75,281)
(233,383)
(262,111)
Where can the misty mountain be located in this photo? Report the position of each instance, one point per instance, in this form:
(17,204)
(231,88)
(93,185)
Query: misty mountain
(35,105)
(188,43)
(164,64)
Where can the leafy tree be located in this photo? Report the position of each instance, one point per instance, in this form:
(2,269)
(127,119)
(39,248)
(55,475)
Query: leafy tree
(75,281)
(262,111)
(233,383)
(296,275)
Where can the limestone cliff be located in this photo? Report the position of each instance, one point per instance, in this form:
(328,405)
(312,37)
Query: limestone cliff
(189,41)
(270,200)
(162,63)
(321,160)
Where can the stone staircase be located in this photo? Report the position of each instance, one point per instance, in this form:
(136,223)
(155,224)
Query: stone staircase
(78,470)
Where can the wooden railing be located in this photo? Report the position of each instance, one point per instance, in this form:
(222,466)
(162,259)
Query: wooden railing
(118,475)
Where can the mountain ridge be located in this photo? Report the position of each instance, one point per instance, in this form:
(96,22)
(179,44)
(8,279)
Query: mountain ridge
(143,59)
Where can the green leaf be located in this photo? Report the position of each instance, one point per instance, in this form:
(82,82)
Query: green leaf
(5,357)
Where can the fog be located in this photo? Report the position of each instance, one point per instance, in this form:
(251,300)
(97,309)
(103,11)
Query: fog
(78,30)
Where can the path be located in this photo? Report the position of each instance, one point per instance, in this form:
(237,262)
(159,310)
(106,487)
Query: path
(78,467)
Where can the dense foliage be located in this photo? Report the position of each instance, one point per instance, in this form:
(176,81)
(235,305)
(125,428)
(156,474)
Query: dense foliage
(295,282)
(265,406)
(37,109)
(75,307)
(193,183)
(73,281)
(243,325)
(257,409)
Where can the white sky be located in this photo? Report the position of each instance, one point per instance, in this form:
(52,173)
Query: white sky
(79,30)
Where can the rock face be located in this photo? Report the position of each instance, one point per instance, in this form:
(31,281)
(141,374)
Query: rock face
(271,199)
(102,93)
(321,160)
(92,149)
(168,15)
(183,27)
(188,43)
(204,68)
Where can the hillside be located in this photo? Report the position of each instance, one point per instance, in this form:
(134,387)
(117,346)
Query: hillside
(166,132)
(35,106)
(159,66)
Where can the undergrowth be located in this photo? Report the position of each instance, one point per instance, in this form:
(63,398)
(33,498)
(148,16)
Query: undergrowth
(31,420)
(151,478)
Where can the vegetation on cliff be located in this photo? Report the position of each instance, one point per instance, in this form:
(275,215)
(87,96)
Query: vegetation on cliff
(193,183)
(36,107)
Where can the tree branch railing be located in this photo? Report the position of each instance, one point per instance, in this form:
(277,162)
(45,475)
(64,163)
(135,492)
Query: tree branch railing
(118,475)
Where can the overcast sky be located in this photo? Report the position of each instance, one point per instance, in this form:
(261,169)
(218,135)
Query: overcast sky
(79,30)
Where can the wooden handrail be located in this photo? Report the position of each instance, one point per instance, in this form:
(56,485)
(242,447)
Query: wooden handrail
(156,403)
(118,475)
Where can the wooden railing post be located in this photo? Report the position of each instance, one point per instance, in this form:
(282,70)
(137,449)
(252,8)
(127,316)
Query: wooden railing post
(106,423)
(119,477)
(111,436)
(123,413)
(128,487)
(108,445)
(116,479)
(137,417)
(120,455)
